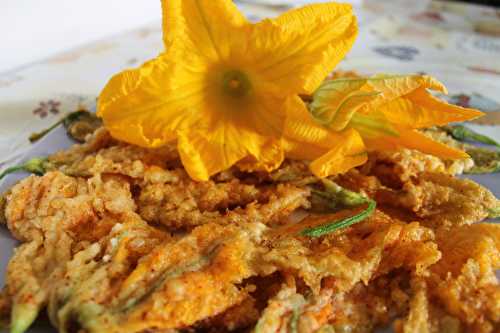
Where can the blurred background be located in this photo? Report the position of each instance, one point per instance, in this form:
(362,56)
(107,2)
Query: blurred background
(56,55)
(31,29)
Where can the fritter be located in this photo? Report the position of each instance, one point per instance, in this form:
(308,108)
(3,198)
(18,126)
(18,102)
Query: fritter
(118,238)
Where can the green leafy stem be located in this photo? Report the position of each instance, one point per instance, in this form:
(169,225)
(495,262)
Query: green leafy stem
(494,213)
(66,121)
(37,165)
(340,198)
(462,133)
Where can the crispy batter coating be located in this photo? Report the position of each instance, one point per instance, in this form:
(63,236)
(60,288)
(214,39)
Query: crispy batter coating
(434,199)
(465,281)
(188,205)
(118,238)
(417,319)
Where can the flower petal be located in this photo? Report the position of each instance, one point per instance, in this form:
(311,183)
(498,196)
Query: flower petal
(147,105)
(300,48)
(420,109)
(266,156)
(392,87)
(333,94)
(205,153)
(264,126)
(205,27)
(402,99)
(303,137)
(202,156)
(372,124)
(412,139)
(336,101)
(338,119)
(330,152)
(347,153)
(251,131)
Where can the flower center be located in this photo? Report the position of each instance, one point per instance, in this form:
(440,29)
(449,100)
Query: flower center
(236,83)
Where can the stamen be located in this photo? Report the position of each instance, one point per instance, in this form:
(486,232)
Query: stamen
(236,83)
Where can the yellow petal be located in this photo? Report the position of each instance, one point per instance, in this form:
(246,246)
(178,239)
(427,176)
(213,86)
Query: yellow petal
(345,154)
(300,48)
(202,156)
(264,128)
(412,139)
(338,118)
(420,109)
(206,27)
(205,153)
(266,156)
(392,87)
(333,94)
(330,152)
(336,101)
(402,99)
(303,137)
(233,130)
(372,124)
(148,105)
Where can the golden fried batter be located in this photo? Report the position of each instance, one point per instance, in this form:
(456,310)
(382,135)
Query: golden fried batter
(118,238)
(436,199)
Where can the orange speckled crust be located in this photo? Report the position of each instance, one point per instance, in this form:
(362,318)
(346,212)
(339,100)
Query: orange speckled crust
(436,199)
(187,205)
(239,316)
(418,318)
(464,280)
(119,239)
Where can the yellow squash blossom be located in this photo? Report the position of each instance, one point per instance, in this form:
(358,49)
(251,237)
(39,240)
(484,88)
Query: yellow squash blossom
(353,115)
(224,87)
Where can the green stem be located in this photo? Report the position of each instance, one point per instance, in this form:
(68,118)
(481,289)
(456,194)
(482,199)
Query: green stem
(462,133)
(66,121)
(23,316)
(294,320)
(37,136)
(494,212)
(37,165)
(340,224)
(485,160)
(475,170)
(343,196)
(11,170)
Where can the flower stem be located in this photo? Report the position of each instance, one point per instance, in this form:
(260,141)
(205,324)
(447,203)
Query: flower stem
(494,212)
(34,137)
(485,160)
(462,133)
(340,224)
(37,165)
(345,197)
(11,170)
(67,120)
(340,198)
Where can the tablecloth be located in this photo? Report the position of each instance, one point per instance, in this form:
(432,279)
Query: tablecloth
(457,43)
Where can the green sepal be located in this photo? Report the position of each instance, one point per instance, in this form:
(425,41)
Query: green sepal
(37,166)
(485,160)
(494,213)
(337,198)
(69,122)
(340,224)
(462,133)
